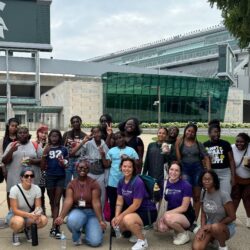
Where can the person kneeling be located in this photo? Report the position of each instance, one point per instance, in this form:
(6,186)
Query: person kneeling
(20,216)
(180,214)
(140,211)
(217,214)
(83,203)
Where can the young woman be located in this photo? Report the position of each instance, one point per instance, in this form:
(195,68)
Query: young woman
(139,209)
(20,217)
(217,213)
(95,151)
(106,130)
(72,139)
(19,154)
(241,189)
(41,140)
(131,129)
(83,204)
(54,161)
(155,158)
(180,214)
(10,135)
(221,155)
(191,154)
(114,158)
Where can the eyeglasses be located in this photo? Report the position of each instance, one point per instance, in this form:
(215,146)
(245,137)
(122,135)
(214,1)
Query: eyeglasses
(26,176)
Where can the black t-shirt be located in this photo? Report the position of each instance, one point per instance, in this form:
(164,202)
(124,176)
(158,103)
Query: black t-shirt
(218,152)
(134,142)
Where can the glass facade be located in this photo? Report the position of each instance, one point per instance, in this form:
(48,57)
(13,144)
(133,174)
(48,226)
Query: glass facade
(182,98)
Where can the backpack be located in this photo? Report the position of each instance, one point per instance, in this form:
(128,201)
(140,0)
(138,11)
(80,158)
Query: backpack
(152,187)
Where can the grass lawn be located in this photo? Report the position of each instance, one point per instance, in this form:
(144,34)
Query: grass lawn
(203,138)
(230,139)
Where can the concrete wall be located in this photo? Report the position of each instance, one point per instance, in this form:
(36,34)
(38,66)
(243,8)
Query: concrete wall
(80,97)
(234,107)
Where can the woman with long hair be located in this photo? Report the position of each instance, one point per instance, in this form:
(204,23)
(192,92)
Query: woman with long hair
(192,155)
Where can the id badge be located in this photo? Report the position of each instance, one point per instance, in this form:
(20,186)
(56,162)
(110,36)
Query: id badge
(82,203)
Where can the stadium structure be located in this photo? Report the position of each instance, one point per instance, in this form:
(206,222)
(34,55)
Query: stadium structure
(50,91)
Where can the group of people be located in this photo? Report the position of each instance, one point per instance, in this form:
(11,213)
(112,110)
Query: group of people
(91,172)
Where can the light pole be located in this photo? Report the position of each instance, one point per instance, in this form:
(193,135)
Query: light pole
(209,107)
(158,103)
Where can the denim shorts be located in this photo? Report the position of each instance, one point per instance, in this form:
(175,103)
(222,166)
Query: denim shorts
(10,214)
(54,181)
(191,173)
(231,228)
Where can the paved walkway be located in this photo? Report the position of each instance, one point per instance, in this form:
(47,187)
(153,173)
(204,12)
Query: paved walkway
(157,241)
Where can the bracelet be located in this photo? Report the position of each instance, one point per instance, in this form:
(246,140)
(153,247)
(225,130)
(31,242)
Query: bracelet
(118,205)
(44,156)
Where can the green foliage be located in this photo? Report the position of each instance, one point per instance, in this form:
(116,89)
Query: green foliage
(177,124)
(236,14)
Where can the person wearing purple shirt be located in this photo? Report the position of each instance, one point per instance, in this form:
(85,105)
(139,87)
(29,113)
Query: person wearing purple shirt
(139,209)
(180,213)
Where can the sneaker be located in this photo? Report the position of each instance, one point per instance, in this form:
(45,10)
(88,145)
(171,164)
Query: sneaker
(133,238)
(15,240)
(52,232)
(196,229)
(27,232)
(181,238)
(140,245)
(57,233)
(78,243)
(223,248)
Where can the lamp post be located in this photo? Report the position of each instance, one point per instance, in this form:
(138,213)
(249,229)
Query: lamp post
(158,103)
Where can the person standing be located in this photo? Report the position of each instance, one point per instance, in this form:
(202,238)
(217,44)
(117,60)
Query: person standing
(221,155)
(132,130)
(241,189)
(72,139)
(192,156)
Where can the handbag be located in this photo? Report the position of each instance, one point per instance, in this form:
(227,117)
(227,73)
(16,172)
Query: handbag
(32,208)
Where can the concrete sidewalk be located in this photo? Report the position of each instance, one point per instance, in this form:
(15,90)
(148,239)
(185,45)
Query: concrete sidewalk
(157,241)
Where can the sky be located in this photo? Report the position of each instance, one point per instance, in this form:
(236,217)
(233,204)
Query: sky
(83,29)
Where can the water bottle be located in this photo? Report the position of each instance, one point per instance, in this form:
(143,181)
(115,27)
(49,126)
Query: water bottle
(117,232)
(34,236)
(63,241)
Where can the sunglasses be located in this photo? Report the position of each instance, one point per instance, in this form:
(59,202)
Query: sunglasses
(26,176)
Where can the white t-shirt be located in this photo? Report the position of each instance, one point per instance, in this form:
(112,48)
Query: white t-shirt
(241,170)
(33,193)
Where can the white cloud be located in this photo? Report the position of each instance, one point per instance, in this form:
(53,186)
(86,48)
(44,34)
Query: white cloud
(85,29)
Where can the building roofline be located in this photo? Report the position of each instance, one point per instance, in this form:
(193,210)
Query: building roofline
(159,43)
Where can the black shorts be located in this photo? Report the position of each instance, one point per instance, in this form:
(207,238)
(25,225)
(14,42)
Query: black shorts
(54,181)
(148,217)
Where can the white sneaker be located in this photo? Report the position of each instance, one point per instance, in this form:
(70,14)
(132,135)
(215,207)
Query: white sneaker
(133,238)
(181,238)
(15,240)
(196,229)
(223,248)
(78,242)
(248,222)
(140,245)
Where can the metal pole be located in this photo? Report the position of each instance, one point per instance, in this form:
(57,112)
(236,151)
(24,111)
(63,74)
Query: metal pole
(159,105)
(209,107)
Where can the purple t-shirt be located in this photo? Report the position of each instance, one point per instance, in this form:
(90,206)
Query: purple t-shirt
(175,192)
(135,189)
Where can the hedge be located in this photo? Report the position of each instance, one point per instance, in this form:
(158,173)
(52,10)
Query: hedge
(178,124)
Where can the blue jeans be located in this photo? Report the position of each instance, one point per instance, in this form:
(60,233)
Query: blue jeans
(191,173)
(70,171)
(79,218)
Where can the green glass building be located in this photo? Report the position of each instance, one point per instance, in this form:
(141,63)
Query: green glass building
(182,98)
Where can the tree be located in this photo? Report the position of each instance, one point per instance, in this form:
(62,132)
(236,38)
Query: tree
(236,15)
